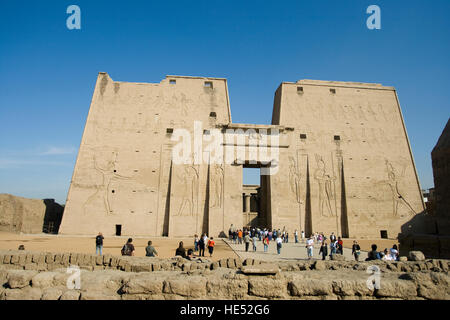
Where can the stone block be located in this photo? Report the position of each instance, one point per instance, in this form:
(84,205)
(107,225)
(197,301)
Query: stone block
(70,295)
(51,294)
(20,278)
(416,256)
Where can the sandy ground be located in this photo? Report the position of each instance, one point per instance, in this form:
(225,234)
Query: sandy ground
(164,246)
(112,245)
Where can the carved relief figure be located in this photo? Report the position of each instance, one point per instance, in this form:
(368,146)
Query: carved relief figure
(393,182)
(217,186)
(325,189)
(108,176)
(189,180)
(294,179)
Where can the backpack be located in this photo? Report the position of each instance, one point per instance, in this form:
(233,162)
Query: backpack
(126,250)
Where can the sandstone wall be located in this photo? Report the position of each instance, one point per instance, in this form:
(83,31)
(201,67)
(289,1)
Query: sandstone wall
(27,275)
(19,214)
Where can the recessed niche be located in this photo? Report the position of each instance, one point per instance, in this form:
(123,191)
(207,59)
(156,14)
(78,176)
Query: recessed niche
(172,81)
(169,130)
(300,90)
(302,135)
(212,115)
(337,138)
(208,84)
(333,91)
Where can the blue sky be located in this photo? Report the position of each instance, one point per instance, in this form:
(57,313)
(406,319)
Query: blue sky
(48,72)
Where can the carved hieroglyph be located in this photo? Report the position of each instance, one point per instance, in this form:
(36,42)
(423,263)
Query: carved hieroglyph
(324,180)
(217,186)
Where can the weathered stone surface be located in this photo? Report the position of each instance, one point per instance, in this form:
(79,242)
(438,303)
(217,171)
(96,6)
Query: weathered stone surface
(43,280)
(338,257)
(226,289)
(416,256)
(143,283)
(310,287)
(20,278)
(70,295)
(51,294)
(22,294)
(320,265)
(194,287)
(260,269)
(267,287)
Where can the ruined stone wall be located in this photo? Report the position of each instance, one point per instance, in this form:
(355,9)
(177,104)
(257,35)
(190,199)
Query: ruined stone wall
(178,278)
(19,214)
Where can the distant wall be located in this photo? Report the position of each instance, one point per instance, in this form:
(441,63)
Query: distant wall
(19,214)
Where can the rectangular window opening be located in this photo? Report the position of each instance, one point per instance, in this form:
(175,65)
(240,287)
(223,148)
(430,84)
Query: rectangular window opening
(172,81)
(299,89)
(302,135)
(333,91)
(208,84)
(337,138)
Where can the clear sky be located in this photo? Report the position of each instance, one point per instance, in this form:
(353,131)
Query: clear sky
(48,72)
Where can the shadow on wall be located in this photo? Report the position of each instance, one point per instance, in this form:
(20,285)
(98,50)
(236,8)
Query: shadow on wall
(52,217)
(421,234)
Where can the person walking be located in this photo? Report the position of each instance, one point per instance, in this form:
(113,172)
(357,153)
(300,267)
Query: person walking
(356,250)
(266,243)
(303,236)
(201,247)
(128,248)
(150,251)
(279,242)
(196,239)
(323,250)
(310,247)
(247,241)
(254,240)
(340,246)
(296,236)
(333,246)
(99,244)
(240,236)
(181,251)
(211,245)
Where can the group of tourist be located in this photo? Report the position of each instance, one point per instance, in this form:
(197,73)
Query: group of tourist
(252,236)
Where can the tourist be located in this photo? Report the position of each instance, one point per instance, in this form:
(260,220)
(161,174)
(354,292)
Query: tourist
(254,240)
(201,246)
(323,250)
(99,244)
(332,237)
(310,247)
(266,243)
(269,234)
(190,256)
(128,248)
(181,251)
(234,236)
(287,237)
(230,232)
(387,255)
(240,236)
(247,241)
(374,254)
(303,236)
(279,242)
(196,239)
(356,250)
(150,251)
(211,245)
(394,252)
(296,236)
(333,247)
(340,246)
